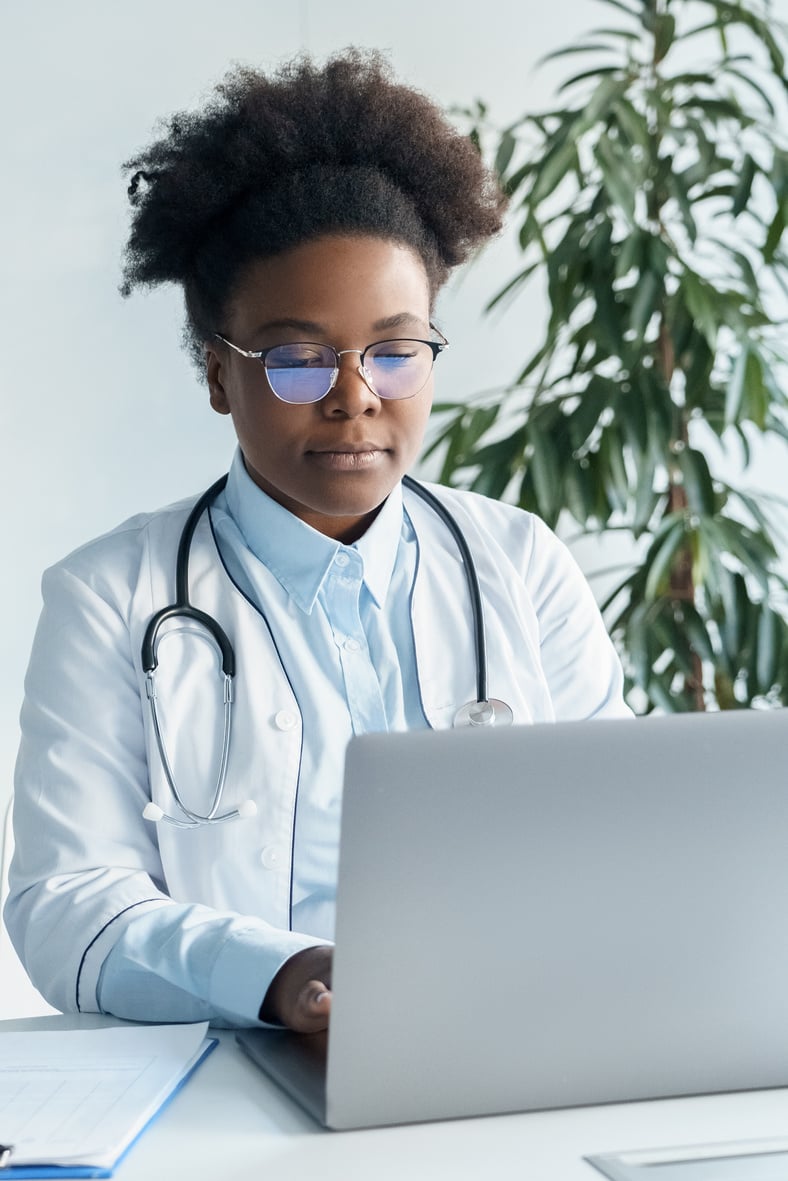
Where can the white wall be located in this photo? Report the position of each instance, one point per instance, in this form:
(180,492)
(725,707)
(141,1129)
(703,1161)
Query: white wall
(102,414)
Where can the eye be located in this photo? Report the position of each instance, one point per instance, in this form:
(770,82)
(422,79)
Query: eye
(300,356)
(394,352)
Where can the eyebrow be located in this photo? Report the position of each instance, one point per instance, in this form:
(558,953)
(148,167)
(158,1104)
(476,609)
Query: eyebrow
(400,320)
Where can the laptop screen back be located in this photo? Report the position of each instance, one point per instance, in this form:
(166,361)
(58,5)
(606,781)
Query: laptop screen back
(560,914)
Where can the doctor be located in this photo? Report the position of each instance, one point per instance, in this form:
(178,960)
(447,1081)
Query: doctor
(169,867)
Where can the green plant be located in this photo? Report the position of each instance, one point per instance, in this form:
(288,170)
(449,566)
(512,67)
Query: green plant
(654,206)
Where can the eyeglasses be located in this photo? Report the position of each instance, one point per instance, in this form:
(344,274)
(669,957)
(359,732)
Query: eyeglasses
(305,372)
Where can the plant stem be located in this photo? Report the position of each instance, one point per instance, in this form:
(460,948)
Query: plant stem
(681,582)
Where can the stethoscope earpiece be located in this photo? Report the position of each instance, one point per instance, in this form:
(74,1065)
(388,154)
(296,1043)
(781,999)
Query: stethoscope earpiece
(157,815)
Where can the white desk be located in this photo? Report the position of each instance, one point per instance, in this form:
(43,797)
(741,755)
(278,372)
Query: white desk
(231,1124)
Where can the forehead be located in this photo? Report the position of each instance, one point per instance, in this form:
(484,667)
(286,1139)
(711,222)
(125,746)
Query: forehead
(336,282)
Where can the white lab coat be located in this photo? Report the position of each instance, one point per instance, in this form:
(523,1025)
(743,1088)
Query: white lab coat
(87,862)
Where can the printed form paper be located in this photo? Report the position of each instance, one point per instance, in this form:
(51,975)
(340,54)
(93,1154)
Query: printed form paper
(81,1096)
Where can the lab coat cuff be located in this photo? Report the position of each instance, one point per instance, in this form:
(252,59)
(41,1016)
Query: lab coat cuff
(246,965)
(95,954)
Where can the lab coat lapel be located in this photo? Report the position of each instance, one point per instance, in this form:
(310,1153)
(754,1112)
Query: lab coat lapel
(264,759)
(443,621)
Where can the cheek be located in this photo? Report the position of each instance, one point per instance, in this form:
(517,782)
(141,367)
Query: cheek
(420,417)
(263,422)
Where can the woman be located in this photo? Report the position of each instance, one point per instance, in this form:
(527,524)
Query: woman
(311,218)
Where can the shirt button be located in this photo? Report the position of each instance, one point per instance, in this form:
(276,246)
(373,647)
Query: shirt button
(341,559)
(284,720)
(352,645)
(271,857)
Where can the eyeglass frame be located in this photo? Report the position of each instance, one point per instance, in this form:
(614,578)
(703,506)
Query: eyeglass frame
(260,355)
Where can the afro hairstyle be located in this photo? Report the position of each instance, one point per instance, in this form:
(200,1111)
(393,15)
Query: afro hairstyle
(272,162)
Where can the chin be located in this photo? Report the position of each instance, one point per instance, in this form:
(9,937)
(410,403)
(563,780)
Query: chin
(355,497)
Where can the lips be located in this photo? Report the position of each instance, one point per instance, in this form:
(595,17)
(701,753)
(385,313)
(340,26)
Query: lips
(348,457)
(345,449)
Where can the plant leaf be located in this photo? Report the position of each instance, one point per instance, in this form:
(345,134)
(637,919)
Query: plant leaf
(572,50)
(552,170)
(743,189)
(734,396)
(774,235)
(618,179)
(768,647)
(697,482)
(660,556)
(664,33)
(503,156)
(645,304)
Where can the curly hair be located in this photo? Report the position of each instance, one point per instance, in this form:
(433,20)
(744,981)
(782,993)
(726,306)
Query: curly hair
(272,162)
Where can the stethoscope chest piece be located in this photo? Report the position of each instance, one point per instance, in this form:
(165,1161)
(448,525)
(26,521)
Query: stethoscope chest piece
(484,713)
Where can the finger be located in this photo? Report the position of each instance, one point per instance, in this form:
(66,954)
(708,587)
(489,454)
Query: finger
(313,1008)
(318,999)
(321,966)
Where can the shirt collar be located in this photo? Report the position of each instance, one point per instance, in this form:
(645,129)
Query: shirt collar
(379,545)
(299,556)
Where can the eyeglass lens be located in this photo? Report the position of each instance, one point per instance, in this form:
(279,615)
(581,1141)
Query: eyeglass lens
(301,373)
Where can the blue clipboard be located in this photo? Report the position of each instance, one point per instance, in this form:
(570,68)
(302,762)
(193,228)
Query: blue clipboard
(43,1171)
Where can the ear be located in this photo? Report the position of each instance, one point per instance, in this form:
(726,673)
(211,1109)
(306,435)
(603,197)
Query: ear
(214,372)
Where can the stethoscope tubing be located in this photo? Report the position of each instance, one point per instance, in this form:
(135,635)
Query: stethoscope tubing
(182,608)
(477,608)
(481,712)
(211,816)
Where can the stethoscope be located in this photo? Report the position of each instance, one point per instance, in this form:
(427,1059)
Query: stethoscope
(484,711)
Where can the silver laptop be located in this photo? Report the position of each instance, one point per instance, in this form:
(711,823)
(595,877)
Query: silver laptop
(552,915)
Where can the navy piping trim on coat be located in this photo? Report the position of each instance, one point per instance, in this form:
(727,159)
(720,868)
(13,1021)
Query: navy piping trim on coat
(255,607)
(410,612)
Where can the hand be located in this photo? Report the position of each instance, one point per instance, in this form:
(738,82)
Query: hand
(299,995)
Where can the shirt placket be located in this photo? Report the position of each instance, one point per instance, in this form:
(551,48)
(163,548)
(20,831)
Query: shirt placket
(342,590)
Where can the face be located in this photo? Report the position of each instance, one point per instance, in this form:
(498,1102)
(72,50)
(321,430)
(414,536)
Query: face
(332,463)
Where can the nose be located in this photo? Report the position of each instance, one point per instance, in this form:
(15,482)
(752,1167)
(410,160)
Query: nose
(351,395)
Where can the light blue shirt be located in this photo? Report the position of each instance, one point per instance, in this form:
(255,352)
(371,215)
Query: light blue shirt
(344,635)
(346,643)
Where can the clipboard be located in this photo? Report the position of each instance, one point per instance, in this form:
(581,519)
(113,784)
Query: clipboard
(50,1169)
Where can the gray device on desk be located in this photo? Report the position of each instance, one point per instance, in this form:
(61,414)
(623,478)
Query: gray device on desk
(551,915)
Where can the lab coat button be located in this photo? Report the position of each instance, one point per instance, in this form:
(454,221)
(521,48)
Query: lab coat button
(284,720)
(271,857)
